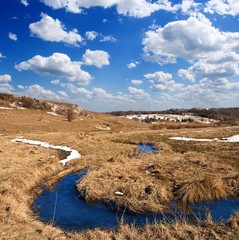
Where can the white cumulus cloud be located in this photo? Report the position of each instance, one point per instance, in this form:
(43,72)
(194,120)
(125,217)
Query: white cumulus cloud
(59,65)
(189,39)
(63,94)
(136,82)
(217,66)
(96,58)
(5,85)
(133,8)
(138,93)
(53,30)
(25,2)
(12,36)
(1,56)
(55,82)
(40,92)
(132,64)
(91,35)
(188,6)
(108,38)
(163,81)
(223,7)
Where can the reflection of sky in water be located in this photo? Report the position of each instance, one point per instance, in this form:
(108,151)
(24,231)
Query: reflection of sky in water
(146,148)
(73,213)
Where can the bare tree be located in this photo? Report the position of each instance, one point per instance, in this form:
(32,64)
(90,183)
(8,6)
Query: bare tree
(70,114)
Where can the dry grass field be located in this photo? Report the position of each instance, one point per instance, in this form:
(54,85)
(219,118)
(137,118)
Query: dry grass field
(183,171)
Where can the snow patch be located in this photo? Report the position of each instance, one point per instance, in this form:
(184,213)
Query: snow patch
(73,153)
(14,105)
(232,139)
(118,193)
(53,113)
(6,108)
(171,118)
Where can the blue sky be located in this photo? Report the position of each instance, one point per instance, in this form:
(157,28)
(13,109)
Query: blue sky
(108,55)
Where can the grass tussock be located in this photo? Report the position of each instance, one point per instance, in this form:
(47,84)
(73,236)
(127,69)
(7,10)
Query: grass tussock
(139,192)
(147,184)
(199,189)
(234,221)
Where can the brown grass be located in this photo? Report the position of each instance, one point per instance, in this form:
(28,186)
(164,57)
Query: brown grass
(199,189)
(147,182)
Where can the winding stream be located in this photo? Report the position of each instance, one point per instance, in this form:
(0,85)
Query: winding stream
(63,207)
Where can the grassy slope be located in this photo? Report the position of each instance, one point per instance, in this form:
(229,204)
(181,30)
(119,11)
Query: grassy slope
(24,166)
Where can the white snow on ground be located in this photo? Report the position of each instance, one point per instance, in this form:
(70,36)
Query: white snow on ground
(232,139)
(14,105)
(171,118)
(73,153)
(53,113)
(6,108)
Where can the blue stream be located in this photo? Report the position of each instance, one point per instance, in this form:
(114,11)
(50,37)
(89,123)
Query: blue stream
(67,210)
(146,148)
(73,213)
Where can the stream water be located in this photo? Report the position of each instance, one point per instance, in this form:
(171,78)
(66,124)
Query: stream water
(63,207)
(146,148)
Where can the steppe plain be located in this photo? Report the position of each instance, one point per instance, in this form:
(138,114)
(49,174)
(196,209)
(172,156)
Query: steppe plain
(182,171)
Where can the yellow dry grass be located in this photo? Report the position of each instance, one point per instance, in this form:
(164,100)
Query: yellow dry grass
(147,182)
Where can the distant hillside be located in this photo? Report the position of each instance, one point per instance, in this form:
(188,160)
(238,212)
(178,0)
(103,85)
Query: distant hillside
(224,115)
(10,100)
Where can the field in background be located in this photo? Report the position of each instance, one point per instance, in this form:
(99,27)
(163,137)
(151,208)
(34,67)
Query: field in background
(108,145)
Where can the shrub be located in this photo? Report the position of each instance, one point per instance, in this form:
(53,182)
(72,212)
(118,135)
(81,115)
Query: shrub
(70,114)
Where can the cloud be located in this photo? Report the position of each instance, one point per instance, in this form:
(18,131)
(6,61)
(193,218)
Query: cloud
(217,66)
(20,87)
(101,93)
(40,92)
(59,65)
(91,35)
(189,39)
(53,30)
(82,91)
(98,97)
(5,86)
(108,38)
(12,36)
(5,78)
(25,2)
(138,93)
(132,64)
(188,6)
(223,7)
(163,81)
(136,82)
(55,82)
(1,56)
(132,8)
(63,94)
(96,58)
